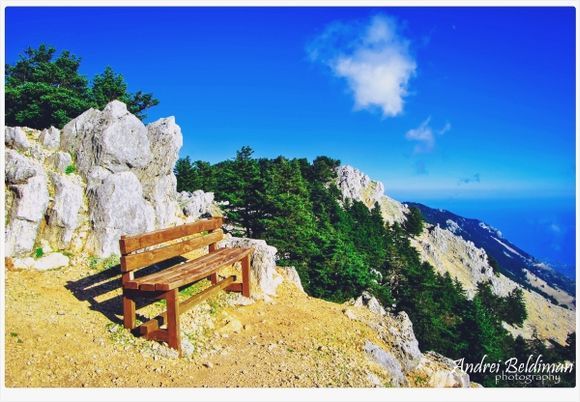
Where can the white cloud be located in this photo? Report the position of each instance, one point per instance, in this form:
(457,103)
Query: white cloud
(372,57)
(423,136)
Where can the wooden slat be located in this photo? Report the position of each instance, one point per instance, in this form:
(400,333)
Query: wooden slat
(189,278)
(161,335)
(162,276)
(154,324)
(144,259)
(235,287)
(199,262)
(213,262)
(129,244)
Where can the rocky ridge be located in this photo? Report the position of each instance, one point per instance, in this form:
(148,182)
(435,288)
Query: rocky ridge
(447,251)
(355,185)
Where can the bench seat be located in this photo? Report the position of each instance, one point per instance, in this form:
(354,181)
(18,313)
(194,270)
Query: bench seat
(188,272)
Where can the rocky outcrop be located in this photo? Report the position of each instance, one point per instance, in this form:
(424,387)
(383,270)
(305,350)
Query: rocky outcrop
(388,362)
(113,139)
(442,372)
(355,185)
(369,301)
(105,174)
(27,203)
(196,204)
(117,208)
(293,277)
(263,262)
(63,216)
(128,168)
(15,138)
(50,138)
(395,330)
(397,350)
(157,178)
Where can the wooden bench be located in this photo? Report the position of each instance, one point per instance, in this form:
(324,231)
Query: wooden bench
(160,246)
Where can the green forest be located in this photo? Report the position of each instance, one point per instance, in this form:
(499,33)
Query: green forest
(341,248)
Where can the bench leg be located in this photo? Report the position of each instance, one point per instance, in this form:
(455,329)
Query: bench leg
(246,276)
(173,332)
(213,278)
(129,315)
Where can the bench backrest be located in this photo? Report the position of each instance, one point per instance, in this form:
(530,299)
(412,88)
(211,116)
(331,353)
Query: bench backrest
(133,257)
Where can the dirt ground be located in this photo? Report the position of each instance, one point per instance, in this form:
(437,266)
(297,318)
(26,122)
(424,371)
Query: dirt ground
(63,330)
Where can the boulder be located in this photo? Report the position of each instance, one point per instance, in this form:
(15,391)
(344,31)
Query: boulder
(45,263)
(165,141)
(293,277)
(50,138)
(162,196)
(114,139)
(59,161)
(369,301)
(157,178)
(443,372)
(27,183)
(195,204)
(117,207)
(405,344)
(51,261)
(388,362)
(63,215)
(15,137)
(263,263)
(20,168)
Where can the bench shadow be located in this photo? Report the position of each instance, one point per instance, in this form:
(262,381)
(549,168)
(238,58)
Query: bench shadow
(95,287)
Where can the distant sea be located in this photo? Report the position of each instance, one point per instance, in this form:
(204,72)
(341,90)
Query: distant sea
(544,228)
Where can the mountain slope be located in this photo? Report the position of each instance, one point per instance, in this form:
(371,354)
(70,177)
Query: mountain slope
(512,260)
(467,263)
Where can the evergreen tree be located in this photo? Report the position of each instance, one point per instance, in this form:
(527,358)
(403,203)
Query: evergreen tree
(414,223)
(44,90)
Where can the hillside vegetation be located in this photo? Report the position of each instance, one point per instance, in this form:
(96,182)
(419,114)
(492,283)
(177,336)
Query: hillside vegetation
(340,248)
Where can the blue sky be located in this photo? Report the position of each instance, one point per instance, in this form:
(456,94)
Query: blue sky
(449,106)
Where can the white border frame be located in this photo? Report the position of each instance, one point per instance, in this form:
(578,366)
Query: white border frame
(277,394)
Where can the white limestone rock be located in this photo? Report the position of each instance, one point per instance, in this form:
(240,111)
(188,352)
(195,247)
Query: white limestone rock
(19,168)
(293,277)
(27,183)
(117,207)
(448,252)
(263,263)
(157,178)
(405,344)
(195,204)
(443,372)
(51,261)
(59,161)
(50,138)
(63,215)
(355,185)
(114,139)
(15,137)
(388,362)
(369,301)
